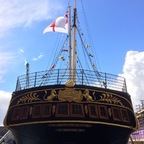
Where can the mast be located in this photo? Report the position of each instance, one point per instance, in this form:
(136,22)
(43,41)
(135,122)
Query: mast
(70,47)
(73,47)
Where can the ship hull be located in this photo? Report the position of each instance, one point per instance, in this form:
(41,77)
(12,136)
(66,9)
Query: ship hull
(74,115)
(43,134)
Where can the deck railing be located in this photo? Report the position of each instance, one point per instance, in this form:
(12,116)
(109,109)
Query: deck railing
(61,76)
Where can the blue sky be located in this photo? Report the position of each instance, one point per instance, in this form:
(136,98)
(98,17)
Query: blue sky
(116,27)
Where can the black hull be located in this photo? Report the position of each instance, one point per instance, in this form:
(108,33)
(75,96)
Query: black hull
(74,115)
(43,134)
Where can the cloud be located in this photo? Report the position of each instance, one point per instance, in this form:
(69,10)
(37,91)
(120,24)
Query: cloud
(15,13)
(20,13)
(6,60)
(4,103)
(133,71)
(21,51)
(37,58)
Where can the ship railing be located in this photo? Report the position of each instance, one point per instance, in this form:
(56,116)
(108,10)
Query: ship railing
(4,137)
(61,76)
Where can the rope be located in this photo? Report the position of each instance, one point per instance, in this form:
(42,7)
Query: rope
(89,35)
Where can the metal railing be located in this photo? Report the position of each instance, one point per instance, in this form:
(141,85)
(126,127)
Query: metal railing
(61,76)
(4,137)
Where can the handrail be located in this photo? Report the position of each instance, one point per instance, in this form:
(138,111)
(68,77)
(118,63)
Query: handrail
(1,140)
(61,76)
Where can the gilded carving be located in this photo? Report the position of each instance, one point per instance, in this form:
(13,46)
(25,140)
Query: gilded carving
(109,98)
(51,96)
(87,96)
(67,94)
(70,83)
(70,94)
(29,97)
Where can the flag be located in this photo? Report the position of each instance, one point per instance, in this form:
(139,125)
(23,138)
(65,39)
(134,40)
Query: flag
(61,57)
(64,49)
(93,65)
(59,25)
(90,55)
(52,66)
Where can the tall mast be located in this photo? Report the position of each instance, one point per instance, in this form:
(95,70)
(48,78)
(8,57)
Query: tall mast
(70,47)
(73,48)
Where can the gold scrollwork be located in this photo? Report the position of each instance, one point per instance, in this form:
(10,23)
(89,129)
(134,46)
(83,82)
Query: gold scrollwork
(109,98)
(29,97)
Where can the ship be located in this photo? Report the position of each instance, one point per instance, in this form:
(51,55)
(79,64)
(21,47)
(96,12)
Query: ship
(137,137)
(70,104)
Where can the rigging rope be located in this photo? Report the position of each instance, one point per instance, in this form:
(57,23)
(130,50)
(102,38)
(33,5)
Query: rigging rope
(89,36)
(54,51)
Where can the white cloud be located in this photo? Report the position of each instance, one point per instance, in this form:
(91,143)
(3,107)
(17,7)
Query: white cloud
(133,71)
(14,13)
(21,51)
(38,57)
(18,13)
(4,103)
(6,60)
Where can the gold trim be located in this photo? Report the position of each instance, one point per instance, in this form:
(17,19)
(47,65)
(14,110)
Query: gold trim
(70,130)
(137,123)
(83,102)
(28,98)
(109,98)
(82,89)
(122,97)
(76,89)
(71,121)
(70,125)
